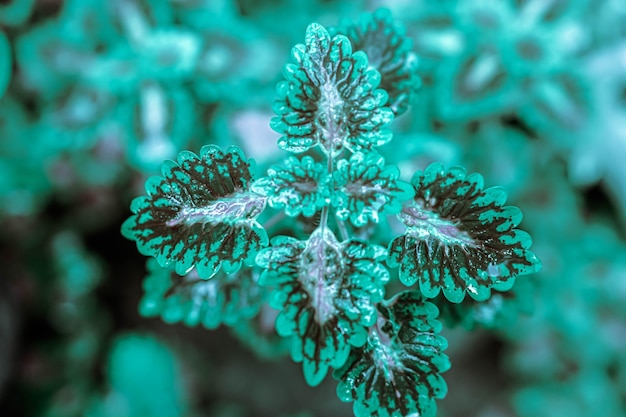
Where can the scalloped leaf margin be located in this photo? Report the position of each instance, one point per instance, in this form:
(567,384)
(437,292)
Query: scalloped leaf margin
(364,186)
(200,213)
(326,293)
(330,97)
(301,187)
(460,238)
(389,50)
(398,371)
(223,299)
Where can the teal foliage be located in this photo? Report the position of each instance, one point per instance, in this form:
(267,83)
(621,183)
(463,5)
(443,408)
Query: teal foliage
(138,366)
(460,238)
(364,186)
(223,299)
(299,188)
(326,292)
(389,50)
(6,63)
(16,12)
(330,98)
(359,247)
(398,371)
(200,213)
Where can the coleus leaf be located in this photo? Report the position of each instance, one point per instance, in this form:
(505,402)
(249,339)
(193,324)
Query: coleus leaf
(364,186)
(460,238)
(224,299)
(330,98)
(557,103)
(501,311)
(169,53)
(326,291)
(259,334)
(474,85)
(158,123)
(398,371)
(388,50)
(299,188)
(200,213)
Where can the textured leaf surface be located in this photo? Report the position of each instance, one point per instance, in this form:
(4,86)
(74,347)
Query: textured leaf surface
(398,371)
(364,186)
(330,98)
(200,213)
(460,238)
(388,49)
(224,299)
(326,291)
(299,188)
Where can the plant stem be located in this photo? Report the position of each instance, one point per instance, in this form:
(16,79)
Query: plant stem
(329,170)
(342,229)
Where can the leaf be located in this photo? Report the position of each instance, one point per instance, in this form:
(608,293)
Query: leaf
(15,12)
(364,186)
(5,63)
(474,85)
(558,103)
(460,238)
(330,98)
(501,311)
(398,371)
(300,188)
(224,299)
(169,54)
(326,292)
(259,335)
(388,50)
(200,213)
(158,123)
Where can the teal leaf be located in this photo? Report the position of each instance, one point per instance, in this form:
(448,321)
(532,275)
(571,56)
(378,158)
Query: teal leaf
(476,84)
(501,311)
(169,54)
(259,335)
(15,12)
(330,97)
(460,238)
(325,291)
(558,103)
(158,123)
(364,186)
(299,188)
(388,50)
(201,213)
(6,63)
(137,367)
(398,371)
(223,299)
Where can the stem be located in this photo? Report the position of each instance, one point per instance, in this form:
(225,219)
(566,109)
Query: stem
(324,218)
(342,229)
(329,170)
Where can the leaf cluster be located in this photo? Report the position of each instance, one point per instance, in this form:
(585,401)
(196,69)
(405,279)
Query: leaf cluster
(207,215)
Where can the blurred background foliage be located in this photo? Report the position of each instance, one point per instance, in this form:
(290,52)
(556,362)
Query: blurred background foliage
(94,95)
